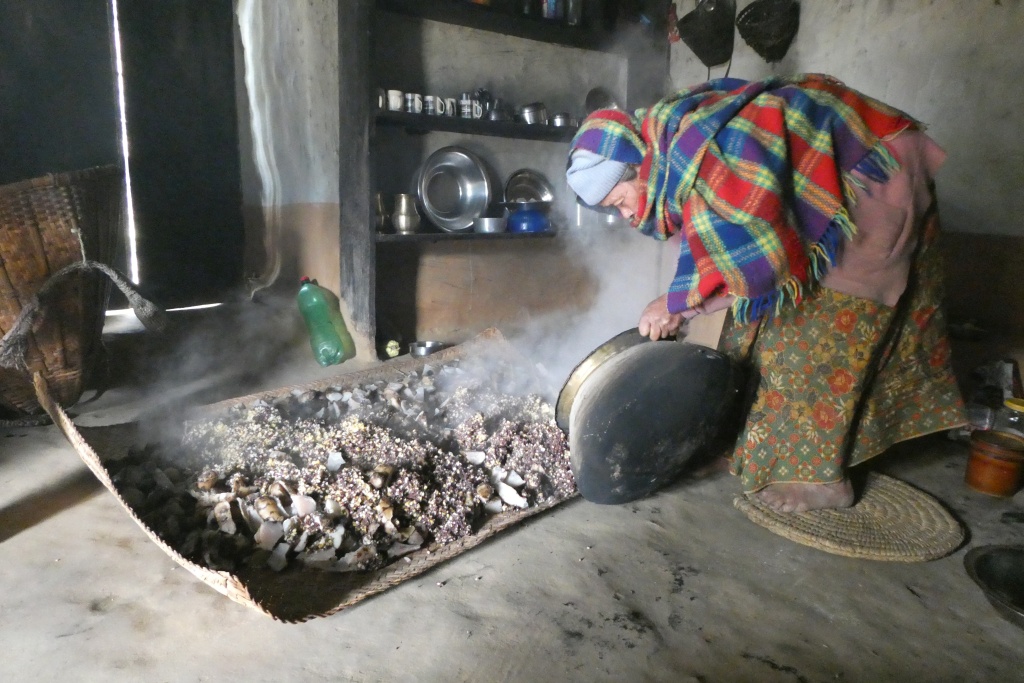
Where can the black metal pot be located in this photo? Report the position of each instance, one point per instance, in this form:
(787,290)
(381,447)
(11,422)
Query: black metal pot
(638,414)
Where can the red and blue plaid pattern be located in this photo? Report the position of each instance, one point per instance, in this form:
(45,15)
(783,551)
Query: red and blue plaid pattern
(757,176)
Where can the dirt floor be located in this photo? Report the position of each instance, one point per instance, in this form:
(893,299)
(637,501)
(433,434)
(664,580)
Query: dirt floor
(678,587)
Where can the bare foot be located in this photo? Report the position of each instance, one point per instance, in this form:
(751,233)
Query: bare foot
(799,497)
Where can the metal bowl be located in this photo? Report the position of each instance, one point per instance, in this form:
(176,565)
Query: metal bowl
(453,188)
(528,220)
(527,185)
(999,572)
(487,224)
(425,348)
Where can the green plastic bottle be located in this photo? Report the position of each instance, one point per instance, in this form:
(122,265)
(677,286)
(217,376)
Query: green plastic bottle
(328,335)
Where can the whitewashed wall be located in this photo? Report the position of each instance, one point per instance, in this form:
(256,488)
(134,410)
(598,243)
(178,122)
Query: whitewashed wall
(956,65)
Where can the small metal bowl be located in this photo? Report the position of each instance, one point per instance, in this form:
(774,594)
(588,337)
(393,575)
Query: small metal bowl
(562,120)
(425,348)
(486,224)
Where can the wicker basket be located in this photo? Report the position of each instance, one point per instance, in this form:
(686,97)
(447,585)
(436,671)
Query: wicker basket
(768,27)
(48,223)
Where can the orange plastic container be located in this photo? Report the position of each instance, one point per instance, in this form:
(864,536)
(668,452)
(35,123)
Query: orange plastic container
(996,464)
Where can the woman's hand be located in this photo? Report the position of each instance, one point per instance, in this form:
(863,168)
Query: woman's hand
(656,322)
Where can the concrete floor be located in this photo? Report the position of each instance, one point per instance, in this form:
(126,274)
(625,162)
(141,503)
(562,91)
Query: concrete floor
(679,587)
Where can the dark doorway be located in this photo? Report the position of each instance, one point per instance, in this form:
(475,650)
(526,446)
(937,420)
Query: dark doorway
(59,112)
(179,72)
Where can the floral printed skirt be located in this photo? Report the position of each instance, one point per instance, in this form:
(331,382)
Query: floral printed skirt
(839,379)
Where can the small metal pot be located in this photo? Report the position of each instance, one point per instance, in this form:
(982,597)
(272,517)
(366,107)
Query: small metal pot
(562,120)
(533,113)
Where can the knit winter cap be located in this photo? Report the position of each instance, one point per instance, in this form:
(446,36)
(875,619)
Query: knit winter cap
(592,176)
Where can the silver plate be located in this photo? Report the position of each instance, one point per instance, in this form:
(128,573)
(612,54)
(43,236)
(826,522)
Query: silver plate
(453,188)
(527,185)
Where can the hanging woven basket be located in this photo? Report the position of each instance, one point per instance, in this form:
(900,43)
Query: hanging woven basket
(47,224)
(769,26)
(708,31)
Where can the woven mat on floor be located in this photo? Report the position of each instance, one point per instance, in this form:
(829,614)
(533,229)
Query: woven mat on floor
(890,521)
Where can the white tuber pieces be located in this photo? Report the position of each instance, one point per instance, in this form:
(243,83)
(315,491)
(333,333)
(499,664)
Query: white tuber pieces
(278,557)
(510,495)
(269,534)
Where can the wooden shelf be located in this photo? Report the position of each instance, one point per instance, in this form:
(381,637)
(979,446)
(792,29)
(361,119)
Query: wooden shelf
(423,123)
(426,237)
(469,15)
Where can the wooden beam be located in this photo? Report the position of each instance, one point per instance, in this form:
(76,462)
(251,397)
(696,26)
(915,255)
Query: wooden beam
(358,255)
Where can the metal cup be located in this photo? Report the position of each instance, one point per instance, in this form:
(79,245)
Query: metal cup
(394,100)
(433,105)
(413,102)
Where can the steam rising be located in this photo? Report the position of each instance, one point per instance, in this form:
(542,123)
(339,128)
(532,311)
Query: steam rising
(229,351)
(628,270)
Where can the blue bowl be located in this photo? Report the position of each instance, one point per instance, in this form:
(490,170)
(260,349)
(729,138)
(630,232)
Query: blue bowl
(528,220)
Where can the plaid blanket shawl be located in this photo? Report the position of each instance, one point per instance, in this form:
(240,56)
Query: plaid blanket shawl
(756,174)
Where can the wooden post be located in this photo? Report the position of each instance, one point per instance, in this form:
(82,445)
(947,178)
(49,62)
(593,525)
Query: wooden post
(358,249)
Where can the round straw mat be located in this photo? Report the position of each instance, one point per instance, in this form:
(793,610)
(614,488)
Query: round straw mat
(891,521)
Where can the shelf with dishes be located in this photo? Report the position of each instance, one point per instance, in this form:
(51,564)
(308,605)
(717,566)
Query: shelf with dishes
(424,123)
(429,237)
(510,22)
(456,198)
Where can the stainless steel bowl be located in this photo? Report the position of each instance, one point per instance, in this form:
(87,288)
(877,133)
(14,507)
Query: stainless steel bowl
(527,185)
(425,348)
(453,188)
(490,224)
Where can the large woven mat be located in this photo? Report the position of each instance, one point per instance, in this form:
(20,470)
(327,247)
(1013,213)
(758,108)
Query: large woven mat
(296,594)
(891,521)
